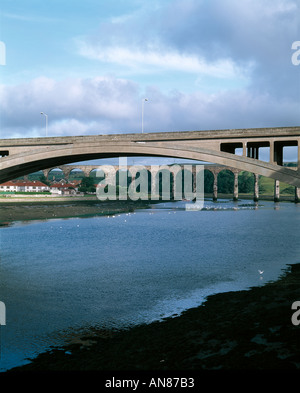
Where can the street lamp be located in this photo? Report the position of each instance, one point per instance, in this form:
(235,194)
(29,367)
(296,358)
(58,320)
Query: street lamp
(42,113)
(143,102)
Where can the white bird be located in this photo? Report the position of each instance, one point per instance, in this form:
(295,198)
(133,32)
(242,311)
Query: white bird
(260,271)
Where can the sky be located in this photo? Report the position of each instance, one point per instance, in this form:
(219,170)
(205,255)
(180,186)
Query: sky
(201,64)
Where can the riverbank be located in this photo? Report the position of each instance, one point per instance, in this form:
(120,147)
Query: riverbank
(244,330)
(34,208)
(63,208)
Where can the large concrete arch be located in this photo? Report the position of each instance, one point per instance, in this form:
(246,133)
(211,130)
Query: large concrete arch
(37,159)
(26,155)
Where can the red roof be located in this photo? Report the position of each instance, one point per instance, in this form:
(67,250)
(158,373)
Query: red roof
(8,183)
(59,185)
(23,183)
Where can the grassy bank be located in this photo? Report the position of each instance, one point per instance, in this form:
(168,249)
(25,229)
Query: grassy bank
(244,330)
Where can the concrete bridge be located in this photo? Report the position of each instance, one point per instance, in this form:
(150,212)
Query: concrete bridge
(28,155)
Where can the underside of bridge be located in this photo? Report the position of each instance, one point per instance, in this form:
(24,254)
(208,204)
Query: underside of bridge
(37,161)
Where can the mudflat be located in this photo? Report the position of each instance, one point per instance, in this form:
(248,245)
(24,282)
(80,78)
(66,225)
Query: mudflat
(44,210)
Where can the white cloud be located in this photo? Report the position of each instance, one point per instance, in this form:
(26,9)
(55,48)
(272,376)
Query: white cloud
(245,43)
(163,58)
(109,105)
(229,60)
(79,105)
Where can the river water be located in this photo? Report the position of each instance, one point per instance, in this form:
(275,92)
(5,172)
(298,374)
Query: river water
(63,276)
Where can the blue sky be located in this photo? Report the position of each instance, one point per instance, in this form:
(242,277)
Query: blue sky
(202,64)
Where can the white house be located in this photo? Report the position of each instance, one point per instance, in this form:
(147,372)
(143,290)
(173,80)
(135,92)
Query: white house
(24,186)
(63,188)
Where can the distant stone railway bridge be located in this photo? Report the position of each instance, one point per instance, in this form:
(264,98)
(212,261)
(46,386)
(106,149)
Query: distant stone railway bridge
(110,170)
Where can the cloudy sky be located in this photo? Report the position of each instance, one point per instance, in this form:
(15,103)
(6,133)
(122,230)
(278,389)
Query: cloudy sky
(202,64)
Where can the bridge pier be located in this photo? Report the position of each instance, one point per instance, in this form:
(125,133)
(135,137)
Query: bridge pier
(236,186)
(215,186)
(276,191)
(256,187)
(66,172)
(45,172)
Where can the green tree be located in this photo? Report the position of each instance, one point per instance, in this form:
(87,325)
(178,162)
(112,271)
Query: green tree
(246,182)
(87,185)
(225,182)
(44,180)
(208,181)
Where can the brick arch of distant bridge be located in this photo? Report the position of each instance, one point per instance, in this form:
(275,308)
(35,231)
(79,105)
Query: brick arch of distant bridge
(214,169)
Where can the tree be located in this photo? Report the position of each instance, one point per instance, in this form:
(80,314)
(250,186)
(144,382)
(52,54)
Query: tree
(225,182)
(44,180)
(246,182)
(87,185)
(208,181)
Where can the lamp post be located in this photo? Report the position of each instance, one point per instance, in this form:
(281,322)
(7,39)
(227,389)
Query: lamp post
(42,113)
(143,102)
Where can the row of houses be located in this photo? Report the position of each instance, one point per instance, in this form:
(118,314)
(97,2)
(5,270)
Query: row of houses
(60,188)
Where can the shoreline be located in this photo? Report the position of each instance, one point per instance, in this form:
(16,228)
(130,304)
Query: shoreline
(53,199)
(45,210)
(29,209)
(244,330)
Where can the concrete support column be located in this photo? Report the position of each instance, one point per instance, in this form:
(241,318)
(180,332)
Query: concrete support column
(297,194)
(271,152)
(276,191)
(253,152)
(215,187)
(278,153)
(244,149)
(256,187)
(236,186)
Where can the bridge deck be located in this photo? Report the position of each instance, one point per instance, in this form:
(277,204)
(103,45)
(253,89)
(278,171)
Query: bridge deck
(250,133)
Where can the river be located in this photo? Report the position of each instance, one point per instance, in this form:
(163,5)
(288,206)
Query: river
(60,277)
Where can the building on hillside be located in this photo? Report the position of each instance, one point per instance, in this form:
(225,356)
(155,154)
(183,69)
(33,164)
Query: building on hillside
(23,186)
(64,188)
